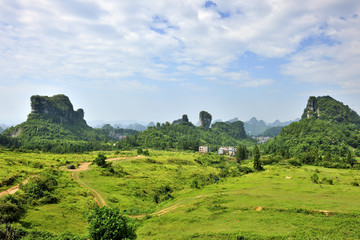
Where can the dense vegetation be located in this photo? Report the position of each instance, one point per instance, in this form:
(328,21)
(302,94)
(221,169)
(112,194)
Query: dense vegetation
(333,111)
(53,126)
(326,138)
(185,136)
(164,192)
(263,192)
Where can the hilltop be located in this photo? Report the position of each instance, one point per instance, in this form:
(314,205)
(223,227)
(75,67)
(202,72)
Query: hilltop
(328,109)
(52,118)
(328,133)
(53,125)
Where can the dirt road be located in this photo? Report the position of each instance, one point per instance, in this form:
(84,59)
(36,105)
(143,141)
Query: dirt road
(84,167)
(13,189)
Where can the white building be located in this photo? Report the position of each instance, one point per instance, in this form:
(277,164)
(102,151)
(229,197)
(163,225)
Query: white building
(203,149)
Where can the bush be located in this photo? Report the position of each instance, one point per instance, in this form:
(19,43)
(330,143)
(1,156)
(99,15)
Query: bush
(329,181)
(268,160)
(139,151)
(355,184)
(295,162)
(245,170)
(109,223)
(41,187)
(315,178)
(100,160)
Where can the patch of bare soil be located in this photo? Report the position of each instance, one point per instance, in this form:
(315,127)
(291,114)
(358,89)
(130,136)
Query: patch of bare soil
(13,189)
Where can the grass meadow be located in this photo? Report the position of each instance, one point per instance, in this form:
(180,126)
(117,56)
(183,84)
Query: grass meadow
(202,196)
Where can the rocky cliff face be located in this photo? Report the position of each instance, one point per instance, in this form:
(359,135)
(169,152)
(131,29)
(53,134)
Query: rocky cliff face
(57,108)
(184,119)
(205,119)
(328,109)
(312,109)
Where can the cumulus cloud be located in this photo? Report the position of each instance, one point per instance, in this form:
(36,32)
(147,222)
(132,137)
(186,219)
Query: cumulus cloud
(334,61)
(117,41)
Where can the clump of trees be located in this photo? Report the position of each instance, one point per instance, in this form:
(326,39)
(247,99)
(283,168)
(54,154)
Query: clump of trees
(257,161)
(11,210)
(242,153)
(108,223)
(100,160)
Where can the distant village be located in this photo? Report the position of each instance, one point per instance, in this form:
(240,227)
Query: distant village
(262,140)
(231,151)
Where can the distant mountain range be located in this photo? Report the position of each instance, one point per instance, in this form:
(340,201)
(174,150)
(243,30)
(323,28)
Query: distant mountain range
(124,124)
(253,127)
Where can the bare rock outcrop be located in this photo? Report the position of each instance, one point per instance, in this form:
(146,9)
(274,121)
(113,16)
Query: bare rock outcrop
(205,119)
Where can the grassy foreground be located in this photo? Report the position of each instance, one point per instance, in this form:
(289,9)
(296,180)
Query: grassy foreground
(204,197)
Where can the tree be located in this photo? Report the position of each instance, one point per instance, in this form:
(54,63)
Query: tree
(328,157)
(108,223)
(349,159)
(257,162)
(139,151)
(11,210)
(100,160)
(241,153)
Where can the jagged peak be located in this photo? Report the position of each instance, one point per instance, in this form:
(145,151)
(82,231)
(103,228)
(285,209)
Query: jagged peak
(57,108)
(329,109)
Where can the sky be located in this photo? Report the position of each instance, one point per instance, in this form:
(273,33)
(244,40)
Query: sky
(157,60)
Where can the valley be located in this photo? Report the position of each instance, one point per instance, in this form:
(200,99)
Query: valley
(61,179)
(167,190)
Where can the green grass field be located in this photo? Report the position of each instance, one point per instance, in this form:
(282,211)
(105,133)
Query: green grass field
(204,197)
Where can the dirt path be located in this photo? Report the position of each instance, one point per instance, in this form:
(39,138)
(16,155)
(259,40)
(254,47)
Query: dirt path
(85,167)
(13,189)
(159,213)
(98,198)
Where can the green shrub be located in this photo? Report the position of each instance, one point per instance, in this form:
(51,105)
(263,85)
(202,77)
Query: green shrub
(328,180)
(356,184)
(100,160)
(315,178)
(109,223)
(294,162)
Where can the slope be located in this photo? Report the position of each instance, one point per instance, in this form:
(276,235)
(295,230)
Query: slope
(328,132)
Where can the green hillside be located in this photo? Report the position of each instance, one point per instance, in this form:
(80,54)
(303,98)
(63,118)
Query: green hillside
(328,133)
(328,109)
(185,136)
(178,195)
(54,126)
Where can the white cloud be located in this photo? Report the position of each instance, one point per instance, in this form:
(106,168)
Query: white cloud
(335,62)
(122,40)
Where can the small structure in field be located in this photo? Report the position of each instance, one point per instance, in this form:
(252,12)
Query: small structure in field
(71,166)
(231,151)
(203,149)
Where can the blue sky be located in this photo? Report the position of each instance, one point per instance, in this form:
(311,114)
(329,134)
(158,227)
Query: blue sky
(154,61)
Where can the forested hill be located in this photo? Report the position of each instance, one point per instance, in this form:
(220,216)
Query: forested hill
(183,135)
(52,118)
(54,126)
(329,131)
(328,109)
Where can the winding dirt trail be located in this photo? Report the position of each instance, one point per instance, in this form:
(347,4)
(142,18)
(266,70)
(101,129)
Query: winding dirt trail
(13,189)
(85,167)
